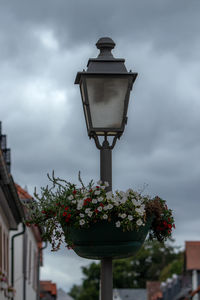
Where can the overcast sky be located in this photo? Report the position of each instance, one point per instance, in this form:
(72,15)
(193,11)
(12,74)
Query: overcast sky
(43,43)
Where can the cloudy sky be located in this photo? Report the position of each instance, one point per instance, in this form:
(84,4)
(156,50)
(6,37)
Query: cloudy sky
(42,46)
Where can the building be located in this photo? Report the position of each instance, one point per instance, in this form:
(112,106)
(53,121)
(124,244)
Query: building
(129,294)
(184,287)
(20,246)
(62,295)
(48,290)
(11,215)
(27,248)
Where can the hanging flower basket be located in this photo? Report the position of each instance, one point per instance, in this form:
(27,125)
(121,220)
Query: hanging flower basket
(98,224)
(103,239)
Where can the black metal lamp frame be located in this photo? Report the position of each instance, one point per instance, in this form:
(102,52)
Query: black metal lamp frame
(105,66)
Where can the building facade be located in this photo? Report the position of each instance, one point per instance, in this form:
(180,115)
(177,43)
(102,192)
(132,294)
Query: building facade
(20,246)
(11,215)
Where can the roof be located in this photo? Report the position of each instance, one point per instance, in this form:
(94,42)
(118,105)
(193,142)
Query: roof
(192,255)
(23,194)
(153,290)
(62,295)
(25,197)
(48,286)
(10,201)
(129,294)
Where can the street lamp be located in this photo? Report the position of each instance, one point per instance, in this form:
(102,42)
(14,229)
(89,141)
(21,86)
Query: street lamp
(105,89)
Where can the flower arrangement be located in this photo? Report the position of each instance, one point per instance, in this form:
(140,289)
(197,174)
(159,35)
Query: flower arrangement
(3,281)
(10,292)
(65,204)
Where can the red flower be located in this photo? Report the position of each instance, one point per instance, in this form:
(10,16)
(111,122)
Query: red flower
(64,214)
(67,207)
(169,231)
(74,192)
(101,204)
(44,212)
(68,218)
(87,200)
(91,191)
(174,226)
(96,211)
(165,224)
(169,226)
(97,187)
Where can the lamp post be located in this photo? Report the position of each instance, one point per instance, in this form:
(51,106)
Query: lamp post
(105,89)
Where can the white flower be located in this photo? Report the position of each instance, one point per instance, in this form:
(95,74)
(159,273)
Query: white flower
(140,211)
(70,197)
(109,195)
(118,224)
(122,194)
(106,183)
(97,192)
(123,216)
(130,217)
(123,200)
(105,207)
(136,202)
(81,215)
(87,210)
(94,201)
(105,217)
(129,191)
(79,206)
(100,199)
(74,201)
(82,222)
(110,206)
(99,182)
(90,213)
(142,207)
(139,222)
(99,208)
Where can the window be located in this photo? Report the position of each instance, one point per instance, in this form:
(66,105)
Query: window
(35,271)
(4,252)
(1,256)
(29,264)
(7,262)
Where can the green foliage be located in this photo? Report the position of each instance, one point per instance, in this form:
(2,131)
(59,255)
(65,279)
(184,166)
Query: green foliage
(64,205)
(153,262)
(175,267)
(90,287)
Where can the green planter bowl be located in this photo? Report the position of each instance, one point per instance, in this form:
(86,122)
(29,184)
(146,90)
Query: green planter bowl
(105,240)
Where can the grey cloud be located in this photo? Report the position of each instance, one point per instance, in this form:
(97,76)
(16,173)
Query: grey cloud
(42,46)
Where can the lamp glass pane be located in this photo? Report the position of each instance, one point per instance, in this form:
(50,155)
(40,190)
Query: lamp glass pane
(84,106)
(106,99)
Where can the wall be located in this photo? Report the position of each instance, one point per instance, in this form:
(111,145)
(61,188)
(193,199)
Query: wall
(25,264)
(4,248)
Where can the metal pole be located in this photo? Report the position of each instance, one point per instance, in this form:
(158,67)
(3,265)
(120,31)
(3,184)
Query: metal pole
(195,283)
(106,263)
